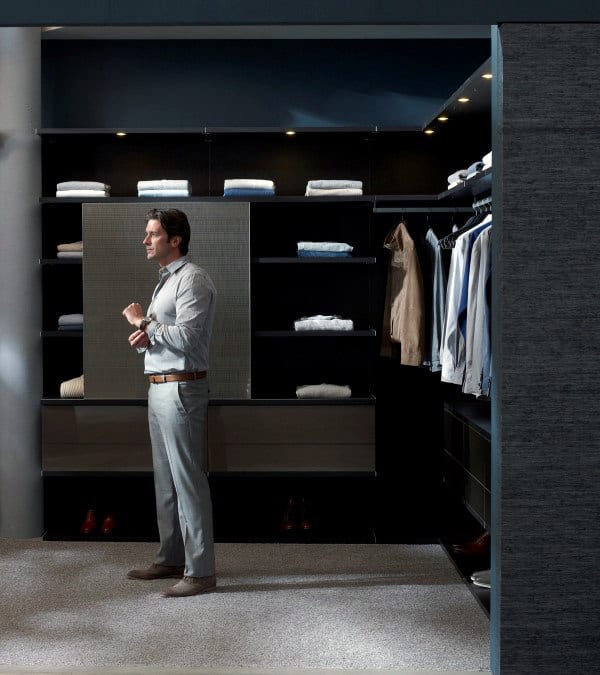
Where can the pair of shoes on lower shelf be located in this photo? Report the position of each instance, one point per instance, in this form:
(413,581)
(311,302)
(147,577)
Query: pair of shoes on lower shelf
(479,546)
(295,516)
(89,524)
(482,579)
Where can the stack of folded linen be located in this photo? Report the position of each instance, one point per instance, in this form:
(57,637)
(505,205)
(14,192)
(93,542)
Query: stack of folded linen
(164,188)
(323,249)
(70,322)
(323,391)
(82,188)
(248,187)
(323,322)
(456,178)
(72,388)
(333,188)
(474,169)
(487,161)
(71,250)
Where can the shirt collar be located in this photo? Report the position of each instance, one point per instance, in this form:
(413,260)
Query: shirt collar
(174,266)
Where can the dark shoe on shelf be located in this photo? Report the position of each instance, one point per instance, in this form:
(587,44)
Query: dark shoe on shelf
(479,546)
(108,524)
(89,524)
(191,586)
(305,523)
(287,522)
(157,572)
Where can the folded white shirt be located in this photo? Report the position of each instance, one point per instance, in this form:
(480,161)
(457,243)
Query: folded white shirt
(324,246)
(82,193)
(323,322)
(163,193)
(453,185)
(341,192)
(82,185)
(334,184)
(457,176)
(164,183)
(323,391)
(487,159)
(69,254)
(248,183)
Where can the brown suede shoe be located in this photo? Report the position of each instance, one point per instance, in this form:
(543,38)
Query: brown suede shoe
(157,572)
(191,586)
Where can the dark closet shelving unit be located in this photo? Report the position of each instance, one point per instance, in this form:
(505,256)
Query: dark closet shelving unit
(205,156)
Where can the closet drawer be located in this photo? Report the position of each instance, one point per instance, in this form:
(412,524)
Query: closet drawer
(95,438)
(291,438)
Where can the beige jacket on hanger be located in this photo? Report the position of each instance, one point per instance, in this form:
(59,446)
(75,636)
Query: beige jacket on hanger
(404,314)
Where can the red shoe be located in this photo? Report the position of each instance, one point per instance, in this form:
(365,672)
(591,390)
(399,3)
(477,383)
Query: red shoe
(305,523)
(287,523)
(479,546)
(89,524)
(108,524)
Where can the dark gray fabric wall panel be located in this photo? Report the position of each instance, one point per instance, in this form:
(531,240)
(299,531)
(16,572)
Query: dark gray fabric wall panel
(116,273)
(549,272)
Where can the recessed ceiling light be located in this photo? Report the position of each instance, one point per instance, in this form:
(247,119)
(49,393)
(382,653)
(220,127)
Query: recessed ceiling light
(290,132)
(443,118)
(487,76)
(429,131)
(463,99)
(121,133)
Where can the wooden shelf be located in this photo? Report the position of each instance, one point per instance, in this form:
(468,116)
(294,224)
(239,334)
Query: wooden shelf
(61,261)
(482,182)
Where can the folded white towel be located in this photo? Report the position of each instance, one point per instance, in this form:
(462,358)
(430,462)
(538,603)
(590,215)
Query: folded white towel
(323,391)
(341,192)
(487,159)
(323,322)
(334,184)
(453,185)
(457,176)
(69,319)
(252,183)
(82,193)
(72,388)
(163,193)
(324,246)
(71,246)
(69,254)
(164,183)
(82,185)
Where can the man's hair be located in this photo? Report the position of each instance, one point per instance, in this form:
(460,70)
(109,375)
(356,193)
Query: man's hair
(174,223)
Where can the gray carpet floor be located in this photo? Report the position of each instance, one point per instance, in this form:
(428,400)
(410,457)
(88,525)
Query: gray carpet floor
(68,605)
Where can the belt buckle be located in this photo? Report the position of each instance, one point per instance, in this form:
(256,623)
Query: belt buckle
(164,378)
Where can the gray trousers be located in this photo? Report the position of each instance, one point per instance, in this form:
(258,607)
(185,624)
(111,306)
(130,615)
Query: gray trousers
(177,413)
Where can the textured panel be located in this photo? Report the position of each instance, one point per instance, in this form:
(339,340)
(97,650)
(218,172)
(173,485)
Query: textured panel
(548,267)
(116,273)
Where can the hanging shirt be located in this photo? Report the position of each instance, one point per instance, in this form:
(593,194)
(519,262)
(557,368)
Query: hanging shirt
(403,318)
(453,344)
(438,299)
(476,313)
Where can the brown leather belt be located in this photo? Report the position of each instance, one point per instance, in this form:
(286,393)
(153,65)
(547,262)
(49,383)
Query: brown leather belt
(176,377)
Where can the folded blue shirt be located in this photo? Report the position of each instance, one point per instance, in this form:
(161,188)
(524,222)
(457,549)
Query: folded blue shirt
(324,254)
(248,192)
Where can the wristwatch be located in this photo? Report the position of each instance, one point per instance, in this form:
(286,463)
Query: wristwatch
(144,322)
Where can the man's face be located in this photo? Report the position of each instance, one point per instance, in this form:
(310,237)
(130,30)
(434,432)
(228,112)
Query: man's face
(157,245)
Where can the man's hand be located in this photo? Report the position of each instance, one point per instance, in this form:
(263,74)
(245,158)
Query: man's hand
(139,339)
(133,313)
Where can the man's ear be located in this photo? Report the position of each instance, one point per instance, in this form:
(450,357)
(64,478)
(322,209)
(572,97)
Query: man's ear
(175,241)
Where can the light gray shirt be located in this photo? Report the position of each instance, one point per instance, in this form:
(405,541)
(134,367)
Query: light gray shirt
(183,312)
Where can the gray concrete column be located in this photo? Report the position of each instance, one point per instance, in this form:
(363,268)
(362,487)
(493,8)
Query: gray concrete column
(20,284)
(546,533)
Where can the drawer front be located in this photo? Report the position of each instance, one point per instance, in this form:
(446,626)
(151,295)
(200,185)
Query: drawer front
(95,438)
(291,438)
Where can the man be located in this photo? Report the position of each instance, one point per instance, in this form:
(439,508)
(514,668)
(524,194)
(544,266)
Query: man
(175,337)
